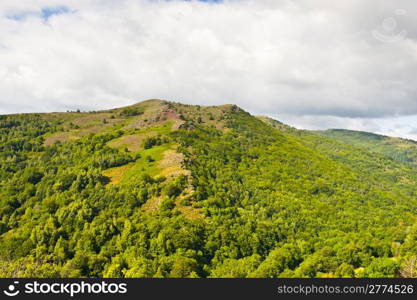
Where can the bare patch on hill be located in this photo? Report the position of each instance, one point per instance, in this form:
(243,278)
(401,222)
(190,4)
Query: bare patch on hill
(60,137)
(213,116)
(171,164)
(132,142)
(152,204)
(188,210)
(77,125)
(156,114)
(91,119)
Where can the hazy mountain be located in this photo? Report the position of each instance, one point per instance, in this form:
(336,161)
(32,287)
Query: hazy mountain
(401,150)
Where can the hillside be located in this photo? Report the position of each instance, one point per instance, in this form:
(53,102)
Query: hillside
(401,150)
(163,189)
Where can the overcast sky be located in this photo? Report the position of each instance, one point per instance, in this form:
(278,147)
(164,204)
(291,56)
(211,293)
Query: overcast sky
(312,64)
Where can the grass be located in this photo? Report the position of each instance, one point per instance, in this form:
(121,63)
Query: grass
(116,174)
(133,142)
(163,129)
(152,204)
(142,165)
(131,172)
(59,137)
(171,164)
(133,138)
(87,123)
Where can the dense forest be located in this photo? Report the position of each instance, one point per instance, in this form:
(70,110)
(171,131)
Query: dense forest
(162,189)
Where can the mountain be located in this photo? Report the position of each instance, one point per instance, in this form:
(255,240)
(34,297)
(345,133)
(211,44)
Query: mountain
(401,150)
(163,189)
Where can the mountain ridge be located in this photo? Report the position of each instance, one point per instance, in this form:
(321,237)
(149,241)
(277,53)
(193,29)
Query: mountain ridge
(269,120)
(399,149)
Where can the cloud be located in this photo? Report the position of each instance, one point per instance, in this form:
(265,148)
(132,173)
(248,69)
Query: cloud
(327,61)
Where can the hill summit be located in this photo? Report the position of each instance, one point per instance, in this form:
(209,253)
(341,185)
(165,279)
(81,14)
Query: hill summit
(164,189)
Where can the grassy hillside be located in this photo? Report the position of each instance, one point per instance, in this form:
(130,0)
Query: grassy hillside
(162,189)
(401,150)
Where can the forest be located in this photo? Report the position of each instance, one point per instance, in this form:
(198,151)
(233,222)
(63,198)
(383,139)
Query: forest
(167,190)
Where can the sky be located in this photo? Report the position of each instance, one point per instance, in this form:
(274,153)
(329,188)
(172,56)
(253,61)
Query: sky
(311,64)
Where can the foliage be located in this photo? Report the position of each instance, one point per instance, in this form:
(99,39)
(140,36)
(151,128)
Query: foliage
(130,112)
(272,201)
(154,141)
(401,150)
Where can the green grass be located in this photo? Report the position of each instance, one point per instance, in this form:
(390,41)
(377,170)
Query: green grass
(131,172)
(143,166)
(163,129)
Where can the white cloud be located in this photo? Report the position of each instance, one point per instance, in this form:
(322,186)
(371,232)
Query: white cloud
(321,63)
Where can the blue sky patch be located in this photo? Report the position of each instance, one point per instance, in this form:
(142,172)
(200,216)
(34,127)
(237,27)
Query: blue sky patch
(46,13)
(20,16)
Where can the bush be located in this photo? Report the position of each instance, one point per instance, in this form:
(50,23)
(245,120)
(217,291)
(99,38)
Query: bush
(131,112)
(345,271)
(382,267)
(167,204)
(173,190)
(149,142)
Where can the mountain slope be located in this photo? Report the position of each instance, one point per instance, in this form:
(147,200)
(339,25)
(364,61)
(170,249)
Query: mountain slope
(162,189)
(401,150)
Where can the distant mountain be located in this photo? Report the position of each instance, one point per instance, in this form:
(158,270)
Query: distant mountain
(401,150)
(163,189)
